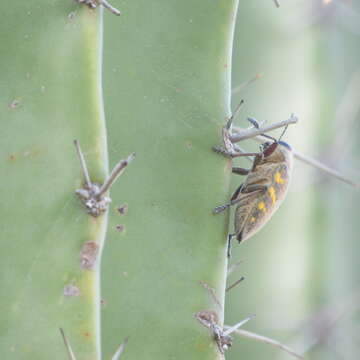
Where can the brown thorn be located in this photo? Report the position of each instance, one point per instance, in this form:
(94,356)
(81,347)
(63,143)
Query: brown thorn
(120,350)
(234,284)
(83,164)
(231,329)
(264,339)
(115,173)
(211,292)
(67,345)
(245,84)
(111,8)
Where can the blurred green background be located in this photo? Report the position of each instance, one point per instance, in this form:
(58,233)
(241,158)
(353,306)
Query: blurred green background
(302,269)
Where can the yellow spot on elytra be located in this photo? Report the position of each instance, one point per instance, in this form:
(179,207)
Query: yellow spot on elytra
(278,179)
(272,194)
(262,206)
(253,219)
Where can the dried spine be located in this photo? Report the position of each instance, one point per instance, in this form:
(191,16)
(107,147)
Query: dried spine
(222,337)
(93,195)
(93,4)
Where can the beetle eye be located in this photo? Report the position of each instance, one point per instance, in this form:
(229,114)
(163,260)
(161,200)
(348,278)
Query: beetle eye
(270,149)
(264,146)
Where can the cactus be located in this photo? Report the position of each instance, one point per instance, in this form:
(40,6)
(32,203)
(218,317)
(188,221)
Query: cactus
(166,97)
(51,95)
(170,113)
(144,275)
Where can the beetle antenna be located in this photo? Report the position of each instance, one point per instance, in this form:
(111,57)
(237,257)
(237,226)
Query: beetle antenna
(269,137)
(283,132)
(234,115)
(272,138)
(237,109)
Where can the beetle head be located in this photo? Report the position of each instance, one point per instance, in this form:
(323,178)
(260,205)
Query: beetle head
(268,148)
(277,150)
(277,146)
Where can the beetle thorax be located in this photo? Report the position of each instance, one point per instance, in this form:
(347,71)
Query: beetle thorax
(280,154)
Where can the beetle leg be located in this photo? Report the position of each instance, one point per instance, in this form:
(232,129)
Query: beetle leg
(221,150)
(240,171)
(236,192)
(221,208)
(239,236)
(250,189)
(230,153)
(245,196)
(229,245)
(228,148)
(239,154)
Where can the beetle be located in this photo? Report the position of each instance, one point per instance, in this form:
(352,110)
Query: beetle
(263,189)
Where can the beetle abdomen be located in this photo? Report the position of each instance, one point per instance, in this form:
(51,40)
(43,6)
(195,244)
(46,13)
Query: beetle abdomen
(253,212)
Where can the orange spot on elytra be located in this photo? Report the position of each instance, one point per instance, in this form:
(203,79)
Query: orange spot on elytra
(272,194)
(262,206)
(278,179)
